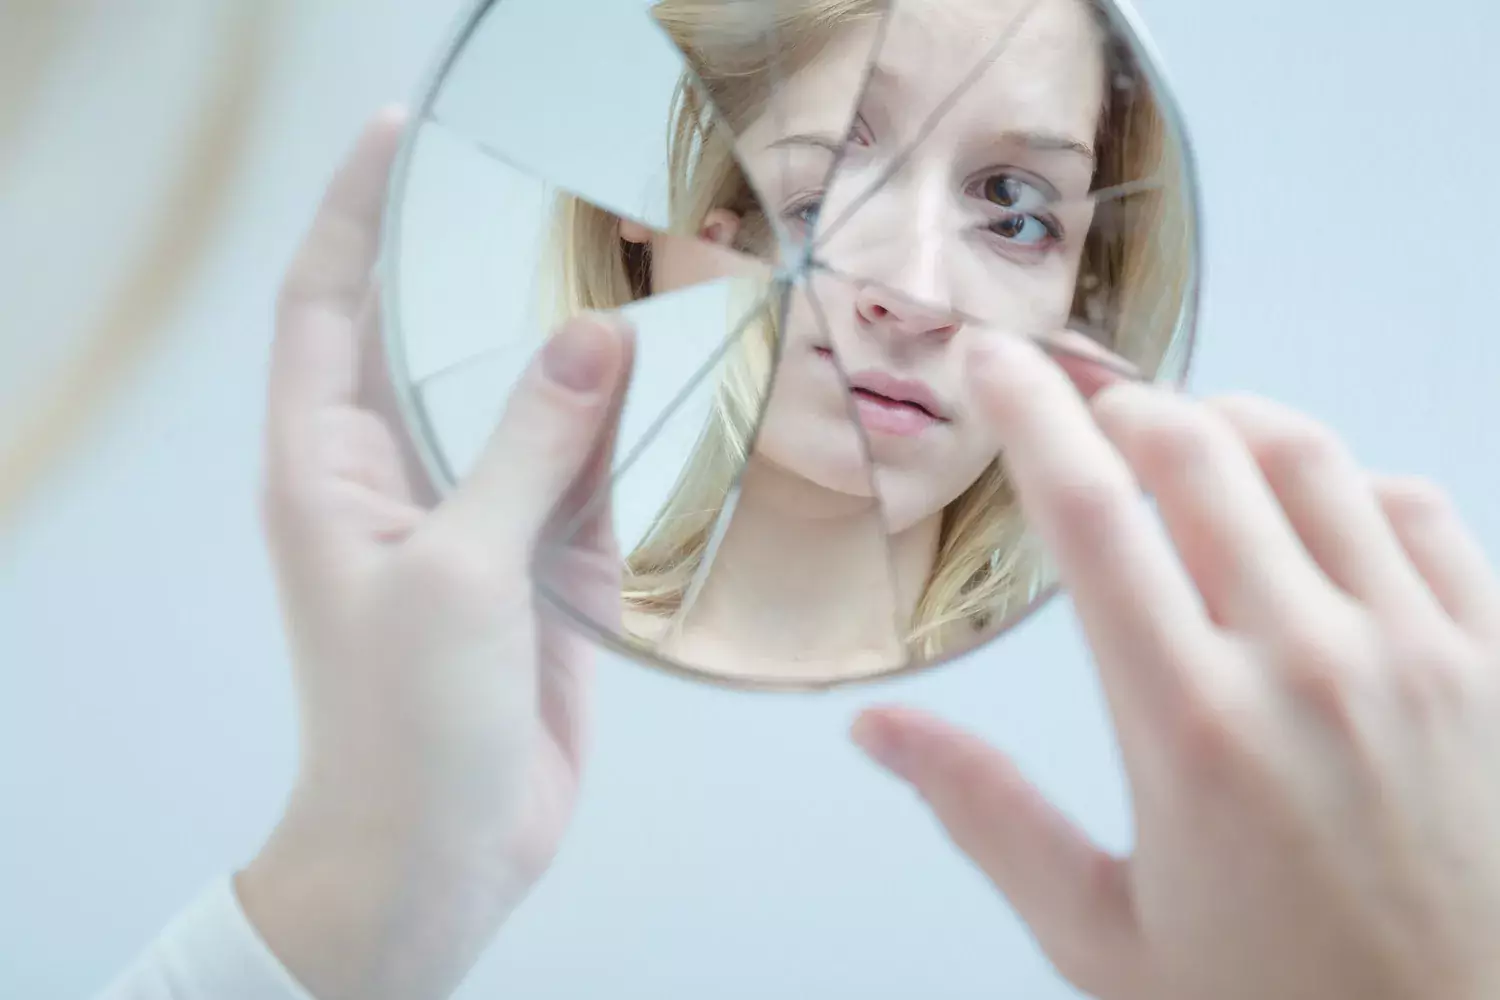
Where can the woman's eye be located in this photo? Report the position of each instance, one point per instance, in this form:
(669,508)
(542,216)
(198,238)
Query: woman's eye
(1010,191)
(1004,190)
(1024,222)
(806,212)
(1024,229)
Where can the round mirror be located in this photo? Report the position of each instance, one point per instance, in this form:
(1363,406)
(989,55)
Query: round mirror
(810,211)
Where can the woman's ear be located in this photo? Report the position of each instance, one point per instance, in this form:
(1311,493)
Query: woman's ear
(720,227)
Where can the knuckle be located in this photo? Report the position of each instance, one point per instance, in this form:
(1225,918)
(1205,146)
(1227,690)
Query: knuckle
(1432,671)
(1300,444)
(1216,720)
(1091,508)
(1211,733)
(1325,664)
(1430,686)
(1185,442)
(1325,689)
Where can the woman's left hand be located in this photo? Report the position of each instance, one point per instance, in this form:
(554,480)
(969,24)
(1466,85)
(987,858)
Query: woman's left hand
(443,714)
(1304,676)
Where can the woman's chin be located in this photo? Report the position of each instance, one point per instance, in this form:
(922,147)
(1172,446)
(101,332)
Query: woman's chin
(912,497)
(838,479)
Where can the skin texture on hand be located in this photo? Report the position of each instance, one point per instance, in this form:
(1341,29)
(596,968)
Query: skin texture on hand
(1303,666)
(443,719)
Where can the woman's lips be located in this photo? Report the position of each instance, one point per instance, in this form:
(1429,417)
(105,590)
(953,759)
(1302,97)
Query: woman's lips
(880,415)
(890,406)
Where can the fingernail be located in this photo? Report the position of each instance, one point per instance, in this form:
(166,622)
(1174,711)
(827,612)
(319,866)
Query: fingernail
(882,743)
(1088,376)
(1082,345)
(577,356)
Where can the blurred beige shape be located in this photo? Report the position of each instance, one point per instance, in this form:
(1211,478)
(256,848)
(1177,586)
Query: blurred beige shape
(41,427)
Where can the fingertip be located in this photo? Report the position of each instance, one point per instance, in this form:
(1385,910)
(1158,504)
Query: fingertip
(1008,367)
(393,115)
(380,139)
(586,354)
(877,732)
(866,730)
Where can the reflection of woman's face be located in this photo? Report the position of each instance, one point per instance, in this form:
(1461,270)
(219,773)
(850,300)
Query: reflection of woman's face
(967,228)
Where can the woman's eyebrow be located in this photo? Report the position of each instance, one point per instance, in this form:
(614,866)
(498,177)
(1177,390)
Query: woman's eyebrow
(1042,142)
(1047,142)
(816,139)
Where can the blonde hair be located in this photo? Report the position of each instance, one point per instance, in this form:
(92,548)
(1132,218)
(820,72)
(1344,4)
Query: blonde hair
(128,320)
(987,569)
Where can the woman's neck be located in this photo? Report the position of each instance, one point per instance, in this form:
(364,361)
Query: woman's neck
(806,582)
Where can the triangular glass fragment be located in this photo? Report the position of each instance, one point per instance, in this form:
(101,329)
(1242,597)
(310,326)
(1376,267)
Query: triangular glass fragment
(494,258)
(788,81)
(531,82)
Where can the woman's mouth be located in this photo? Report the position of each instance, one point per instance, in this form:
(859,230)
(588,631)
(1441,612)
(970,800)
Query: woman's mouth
(892,406)
(882,415)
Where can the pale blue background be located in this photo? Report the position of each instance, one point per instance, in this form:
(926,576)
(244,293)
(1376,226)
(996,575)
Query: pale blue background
(731,847)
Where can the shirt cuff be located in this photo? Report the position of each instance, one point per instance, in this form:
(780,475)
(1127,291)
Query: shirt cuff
(210,951)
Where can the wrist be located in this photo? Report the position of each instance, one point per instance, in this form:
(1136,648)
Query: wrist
(377,901)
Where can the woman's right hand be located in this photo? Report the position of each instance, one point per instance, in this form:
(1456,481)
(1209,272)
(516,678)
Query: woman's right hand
(442,718)
(1304,674)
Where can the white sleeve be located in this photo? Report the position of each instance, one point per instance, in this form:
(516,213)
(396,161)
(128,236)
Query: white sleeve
(210,951)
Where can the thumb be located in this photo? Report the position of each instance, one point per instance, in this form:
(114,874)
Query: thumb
(563,406)
(1075,897)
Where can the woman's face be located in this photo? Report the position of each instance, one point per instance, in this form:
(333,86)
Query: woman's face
(981,228)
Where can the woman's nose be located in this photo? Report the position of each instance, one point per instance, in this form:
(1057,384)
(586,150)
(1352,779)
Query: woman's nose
(882,310)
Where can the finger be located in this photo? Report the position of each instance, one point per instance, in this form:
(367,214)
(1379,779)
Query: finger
(1229,529)
(1449,558)
(552,426)
(1075,898)
(587,574)
(332,267)
(1328,501)
(586,509)
(1088,364)
(1138,607)
(315,355)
